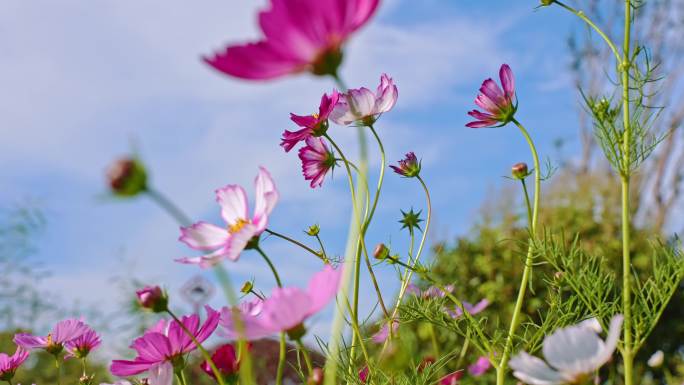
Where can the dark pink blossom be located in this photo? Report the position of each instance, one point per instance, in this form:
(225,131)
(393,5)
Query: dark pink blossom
(298,35)
(451,378)
(164,346)
(499,105)
(226,361)
(317,160)
(363,374)
(312,125)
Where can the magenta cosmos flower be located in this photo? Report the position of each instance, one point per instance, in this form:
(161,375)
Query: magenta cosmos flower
(226,360)
(451,378)
(285,310)
(479,367)
(64,332)
(312,125)
(163,346)
(10,364)
(317,160)
(228,242)
(499,105)
(472,309)
(362,106)
(299,35)
(81,346)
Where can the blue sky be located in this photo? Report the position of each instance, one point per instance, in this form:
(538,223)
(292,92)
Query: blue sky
(81,80)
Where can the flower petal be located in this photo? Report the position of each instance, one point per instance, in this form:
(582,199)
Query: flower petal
(533,370)
(266,198)
(161,374)
(323,288)
(507,81)
(204,236)
(233,202)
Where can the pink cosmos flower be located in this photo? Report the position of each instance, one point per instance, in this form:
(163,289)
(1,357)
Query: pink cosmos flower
(430,292)
(229,242)
(498,104)
(408,167)
(226,361)
(301,35)
(285,310)
(152,298)
(451,378)
(312,125)
(164,345)
(10,364)
(81,346)
(472,309)
(317,160)
(480,367)
(53,343)
(362,106)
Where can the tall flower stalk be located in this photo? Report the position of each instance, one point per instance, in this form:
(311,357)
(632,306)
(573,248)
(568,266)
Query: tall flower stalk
(533,216)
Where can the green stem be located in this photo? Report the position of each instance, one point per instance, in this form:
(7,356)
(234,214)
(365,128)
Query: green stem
(58,367)
(283,343)
(628,350)
(84,366)
(433,339)
(325,255)
(359,242)
(201,348)
(527,272)
(409,271)
(294,241)
(464,350)
(307,358)
(591,24)
(180,376)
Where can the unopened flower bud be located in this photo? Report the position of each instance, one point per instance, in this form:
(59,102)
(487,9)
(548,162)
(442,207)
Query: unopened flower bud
(247,287)
(127,177)
(381,251)
(410,220)
(153,298)
(316,377)
(546,3)
(313,230)
(427,361)
(520,171)
(408,167)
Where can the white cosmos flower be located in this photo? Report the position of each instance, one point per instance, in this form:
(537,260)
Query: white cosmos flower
(572,353)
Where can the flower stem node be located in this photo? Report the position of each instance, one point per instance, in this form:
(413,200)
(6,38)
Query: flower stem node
(153,298)
(520,171)
(381,251)
(313,230)
(296,332)
(127,177)
(546,3)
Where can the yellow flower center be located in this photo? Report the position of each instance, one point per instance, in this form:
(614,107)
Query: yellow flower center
(315,115)
(237,226)
(48,340)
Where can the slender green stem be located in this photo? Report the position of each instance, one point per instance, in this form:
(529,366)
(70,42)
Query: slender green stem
(464,350)
(433,339)
(307,358)
(167,205)
(294,241)
(628,351)
(9,382)
(409,271)
(340,83)
(527,201)
(201,348)
(180,376)
(591,24)
(270,265)
(325,255)
(359,242)
(58,367)
(527,272)
(84,366)
(283,343)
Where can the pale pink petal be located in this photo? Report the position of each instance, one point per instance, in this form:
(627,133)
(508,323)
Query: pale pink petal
(386,95)
(209,260)
(266,198)
(29,341)
(286,308)
(204,236)
(233,202)
(238,241)
(323,288)
(250,326)
(161,374)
